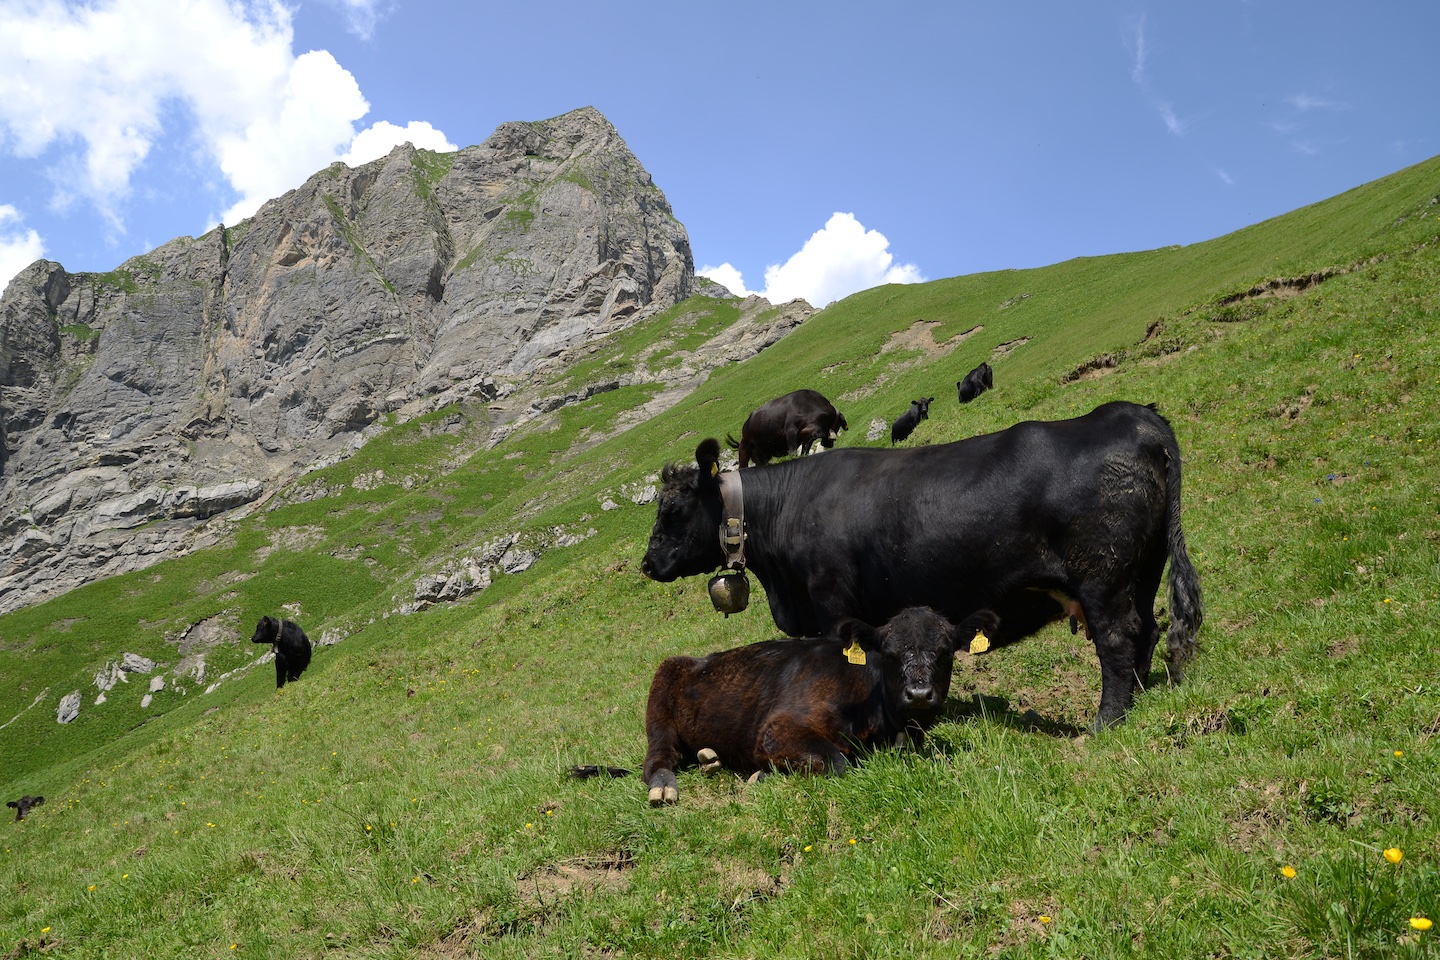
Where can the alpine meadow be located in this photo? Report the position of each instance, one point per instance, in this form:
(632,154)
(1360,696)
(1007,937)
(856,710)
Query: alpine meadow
(409,795)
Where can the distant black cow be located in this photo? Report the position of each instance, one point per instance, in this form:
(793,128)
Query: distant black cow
(1045,520)
(906,423)
(292,647)
(24,805)
(976,382)
(798,705)
(787,425)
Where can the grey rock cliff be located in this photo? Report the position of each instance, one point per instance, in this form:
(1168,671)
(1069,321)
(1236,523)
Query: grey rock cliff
(196,378)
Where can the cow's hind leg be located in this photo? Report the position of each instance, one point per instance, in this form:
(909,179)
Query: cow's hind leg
(1116,629)
(709,761)
(794,744)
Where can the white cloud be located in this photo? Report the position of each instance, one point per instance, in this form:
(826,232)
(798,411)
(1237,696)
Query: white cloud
(1141,51)
(1304,102)
(838,260)
(298,131)
(379,139)
(361,16)
(728,276)
(96,85)
(19,247)
(1172,123)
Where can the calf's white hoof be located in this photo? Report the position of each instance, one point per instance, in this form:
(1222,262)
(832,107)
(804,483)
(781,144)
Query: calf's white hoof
(709,761)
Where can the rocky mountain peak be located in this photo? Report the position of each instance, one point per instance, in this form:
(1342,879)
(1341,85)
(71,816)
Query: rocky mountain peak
(200,376)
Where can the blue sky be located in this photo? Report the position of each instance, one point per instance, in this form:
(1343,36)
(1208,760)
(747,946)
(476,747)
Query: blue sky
(810,149)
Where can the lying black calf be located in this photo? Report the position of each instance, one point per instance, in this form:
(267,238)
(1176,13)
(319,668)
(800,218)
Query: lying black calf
(798,705)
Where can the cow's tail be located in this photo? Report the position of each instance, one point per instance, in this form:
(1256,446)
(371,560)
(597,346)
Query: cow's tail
(591,770)
(1187,607)
(731,442)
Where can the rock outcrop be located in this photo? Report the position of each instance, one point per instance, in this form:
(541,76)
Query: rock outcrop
(197,378)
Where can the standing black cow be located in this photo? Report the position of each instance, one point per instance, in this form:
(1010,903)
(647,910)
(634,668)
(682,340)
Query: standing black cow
(23,805)
(906,423)
(976,382)
(787,425)
(1037,522)
(292,647)
(798,705)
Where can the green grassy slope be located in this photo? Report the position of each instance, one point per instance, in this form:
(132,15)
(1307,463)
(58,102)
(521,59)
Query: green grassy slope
(405,797)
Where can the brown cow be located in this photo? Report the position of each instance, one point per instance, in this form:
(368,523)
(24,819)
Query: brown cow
(802,705)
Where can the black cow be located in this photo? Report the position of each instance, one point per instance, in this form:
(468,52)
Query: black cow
(24,805)
(1037,522)
(976,382)
(798,705)
(292,647)
(787,425)
(906,423)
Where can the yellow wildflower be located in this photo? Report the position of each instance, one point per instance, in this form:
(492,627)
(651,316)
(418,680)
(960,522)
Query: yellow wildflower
(1399,753)
(1043,919)
(809,847)
(1288,872)
(1394,855)
(44,929)
(1421,923)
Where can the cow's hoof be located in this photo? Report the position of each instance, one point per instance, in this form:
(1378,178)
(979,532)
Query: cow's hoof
(709,761)
(757,776)
(660,796)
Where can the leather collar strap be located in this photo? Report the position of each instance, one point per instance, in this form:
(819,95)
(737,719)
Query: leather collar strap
(732,523)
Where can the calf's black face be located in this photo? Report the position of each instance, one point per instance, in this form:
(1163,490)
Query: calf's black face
(916,648)
(686,538)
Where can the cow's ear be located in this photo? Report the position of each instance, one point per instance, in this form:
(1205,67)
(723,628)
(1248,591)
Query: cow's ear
(707,458)
(858,632)
(11,803)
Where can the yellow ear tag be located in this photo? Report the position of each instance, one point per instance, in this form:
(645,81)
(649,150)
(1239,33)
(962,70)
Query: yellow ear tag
(714,469)
(854,654)
(981,643)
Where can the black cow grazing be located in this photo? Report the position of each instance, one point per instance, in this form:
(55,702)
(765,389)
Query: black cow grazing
(787,425)
(1044,520)
(292,647)
(976,382)
(24,805)
(798,705)
(906,423)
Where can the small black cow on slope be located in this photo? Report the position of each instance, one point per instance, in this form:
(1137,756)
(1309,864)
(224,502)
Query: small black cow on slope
(976,382)
(292,647)
(906,423)
(788,425)
(23,805)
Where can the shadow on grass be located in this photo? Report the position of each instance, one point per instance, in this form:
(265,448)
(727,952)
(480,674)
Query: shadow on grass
(998,710)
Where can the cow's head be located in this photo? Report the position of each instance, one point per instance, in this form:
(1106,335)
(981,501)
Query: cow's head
(24,805)
(917,653)
(686,537)
(266,631)
(922,407)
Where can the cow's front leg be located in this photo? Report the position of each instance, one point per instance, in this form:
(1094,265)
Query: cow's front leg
(663,788)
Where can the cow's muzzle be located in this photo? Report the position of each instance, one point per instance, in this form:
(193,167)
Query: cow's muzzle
(919,697)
